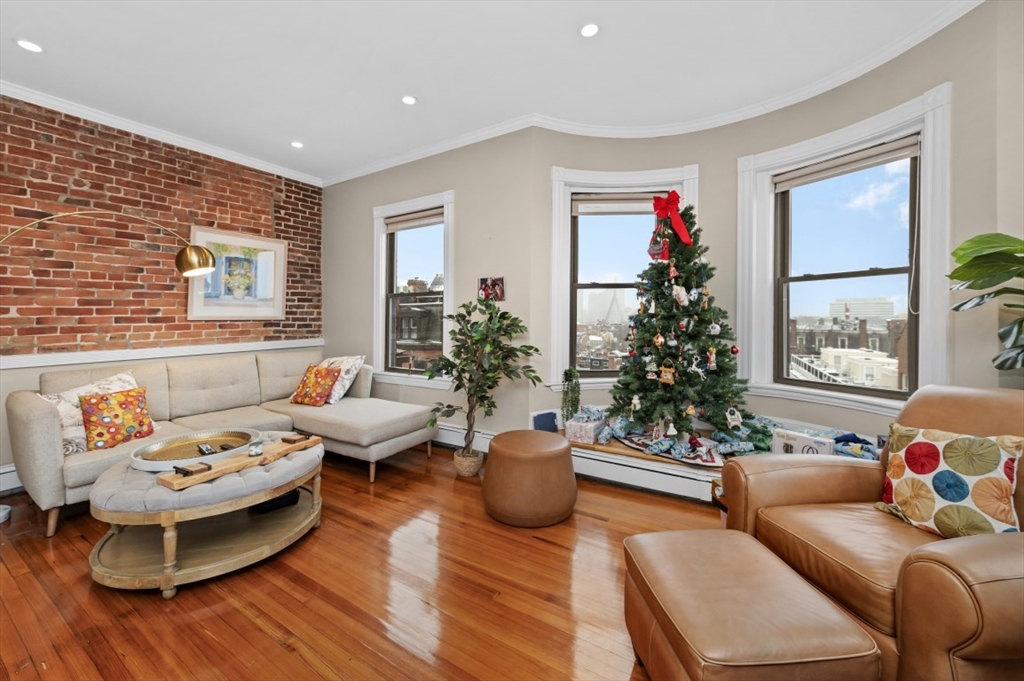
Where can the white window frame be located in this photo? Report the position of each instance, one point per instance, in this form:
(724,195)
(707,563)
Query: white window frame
(928,115)
(380,253)
(873,343)
(564,183)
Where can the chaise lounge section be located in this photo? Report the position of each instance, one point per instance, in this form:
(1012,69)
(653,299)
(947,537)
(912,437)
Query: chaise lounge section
(248,390)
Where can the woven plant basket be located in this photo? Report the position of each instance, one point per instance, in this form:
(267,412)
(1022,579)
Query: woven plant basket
(468,466)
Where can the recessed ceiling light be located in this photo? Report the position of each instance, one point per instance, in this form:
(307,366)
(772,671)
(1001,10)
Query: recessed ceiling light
(31,47)
(409,99)
(589,31)
(297,145)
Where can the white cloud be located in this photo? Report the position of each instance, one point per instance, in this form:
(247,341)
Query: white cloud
(901,167)
(904,209)
(874,194)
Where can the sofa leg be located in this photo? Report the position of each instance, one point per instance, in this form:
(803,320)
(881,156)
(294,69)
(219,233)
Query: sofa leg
(429,443)
(373,471)
(51,521)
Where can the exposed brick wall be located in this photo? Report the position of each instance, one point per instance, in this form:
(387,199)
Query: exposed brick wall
(109,283)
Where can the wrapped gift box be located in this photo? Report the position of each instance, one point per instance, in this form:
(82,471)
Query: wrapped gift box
(584,432)
(807,442)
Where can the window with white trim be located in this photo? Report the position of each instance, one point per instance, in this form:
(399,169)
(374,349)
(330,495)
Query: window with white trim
(571,283)
(928,117)
(845,234)
(415,289)
(413,268)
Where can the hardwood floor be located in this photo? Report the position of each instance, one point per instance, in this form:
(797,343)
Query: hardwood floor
(407,578)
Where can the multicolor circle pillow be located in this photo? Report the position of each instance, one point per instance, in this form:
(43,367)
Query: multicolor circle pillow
(113,419)
(952,485)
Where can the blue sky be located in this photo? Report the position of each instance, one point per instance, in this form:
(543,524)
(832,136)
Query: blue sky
(851,222)
(420,253)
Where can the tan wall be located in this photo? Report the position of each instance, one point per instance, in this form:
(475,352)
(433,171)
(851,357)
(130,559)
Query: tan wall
(503,202)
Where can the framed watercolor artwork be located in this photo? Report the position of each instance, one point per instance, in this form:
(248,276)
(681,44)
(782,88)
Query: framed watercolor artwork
(248,282)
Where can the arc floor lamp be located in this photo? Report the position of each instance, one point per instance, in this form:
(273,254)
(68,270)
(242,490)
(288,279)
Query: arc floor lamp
(191,261)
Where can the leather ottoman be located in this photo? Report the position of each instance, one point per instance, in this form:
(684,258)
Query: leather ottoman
(529,480)
(716,604)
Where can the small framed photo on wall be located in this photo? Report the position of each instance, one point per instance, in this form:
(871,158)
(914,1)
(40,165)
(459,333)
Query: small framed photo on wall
(491,288)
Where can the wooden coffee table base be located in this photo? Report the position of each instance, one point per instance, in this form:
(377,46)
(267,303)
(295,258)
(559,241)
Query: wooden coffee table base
(163,549)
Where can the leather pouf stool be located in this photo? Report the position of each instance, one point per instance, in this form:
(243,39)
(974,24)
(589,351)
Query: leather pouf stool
(529,480)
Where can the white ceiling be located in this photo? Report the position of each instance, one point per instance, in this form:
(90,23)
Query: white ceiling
(242,80)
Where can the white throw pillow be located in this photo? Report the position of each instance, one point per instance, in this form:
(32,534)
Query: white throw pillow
(350,367)
(72,428)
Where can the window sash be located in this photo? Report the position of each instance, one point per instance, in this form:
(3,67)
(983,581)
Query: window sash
(907,147)
(884,153)
(392,332)
(421,218)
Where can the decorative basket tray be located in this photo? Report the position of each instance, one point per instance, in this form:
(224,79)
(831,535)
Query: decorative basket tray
(182,450)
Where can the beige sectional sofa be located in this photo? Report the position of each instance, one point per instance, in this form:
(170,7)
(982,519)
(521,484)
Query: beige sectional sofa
(248,390)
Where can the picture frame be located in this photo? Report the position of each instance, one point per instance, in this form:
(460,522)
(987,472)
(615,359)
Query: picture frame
(248,282)
(491,288)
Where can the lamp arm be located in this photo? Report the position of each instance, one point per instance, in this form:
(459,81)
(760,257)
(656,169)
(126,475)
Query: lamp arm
(57,216)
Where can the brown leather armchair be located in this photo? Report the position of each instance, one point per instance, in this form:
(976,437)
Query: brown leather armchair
(937,608)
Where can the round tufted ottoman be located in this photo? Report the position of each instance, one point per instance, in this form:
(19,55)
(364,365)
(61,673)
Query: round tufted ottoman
(529,480)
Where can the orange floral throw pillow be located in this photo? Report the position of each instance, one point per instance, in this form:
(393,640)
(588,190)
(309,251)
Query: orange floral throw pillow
(315,386)
(952,485)
(112,419)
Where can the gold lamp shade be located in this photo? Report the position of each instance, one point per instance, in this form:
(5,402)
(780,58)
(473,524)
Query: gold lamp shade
(194,261)
(191,261)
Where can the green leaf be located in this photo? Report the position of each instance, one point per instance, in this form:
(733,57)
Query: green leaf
(989,270)
(978,301)
(1013,333)
(1010,358)
(982,244)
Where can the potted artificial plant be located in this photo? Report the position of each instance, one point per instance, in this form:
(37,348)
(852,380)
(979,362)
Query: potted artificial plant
(481,355)
(989,260)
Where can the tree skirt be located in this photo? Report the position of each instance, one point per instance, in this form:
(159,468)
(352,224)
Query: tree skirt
(708,457)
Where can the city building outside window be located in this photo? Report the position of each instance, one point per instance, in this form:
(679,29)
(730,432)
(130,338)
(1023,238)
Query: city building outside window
(413,263)
(847,229)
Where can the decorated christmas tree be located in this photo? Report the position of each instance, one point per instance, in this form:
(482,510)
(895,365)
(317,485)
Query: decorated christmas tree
(682,358)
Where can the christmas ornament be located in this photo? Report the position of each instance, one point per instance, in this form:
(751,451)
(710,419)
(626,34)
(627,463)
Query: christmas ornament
(652,370)
(682,325)
(671,430)
(694,369)
(712,365)
(659,340)
(695,443)
(690,411)
(714,328)
(648,358)
(679,293)
(635,404)
(669,208)
(656,433)
(672,342)
(654,248)
(672,271)
(632,352)
(668,372)
(733,418)
(734,350)
(694,294)
(664,250)
(652,307)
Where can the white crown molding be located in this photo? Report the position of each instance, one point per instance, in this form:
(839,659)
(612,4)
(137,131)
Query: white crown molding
(71,108)
(52,359)
(876,59)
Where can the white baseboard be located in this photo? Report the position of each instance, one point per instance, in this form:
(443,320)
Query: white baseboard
(9,480)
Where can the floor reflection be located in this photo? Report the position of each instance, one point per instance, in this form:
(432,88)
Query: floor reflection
(412,621)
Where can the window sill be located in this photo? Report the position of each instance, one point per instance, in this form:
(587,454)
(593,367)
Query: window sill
(413,380)
(588,384)
(872,405)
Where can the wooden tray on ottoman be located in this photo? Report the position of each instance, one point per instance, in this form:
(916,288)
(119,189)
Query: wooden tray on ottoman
(149,550)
